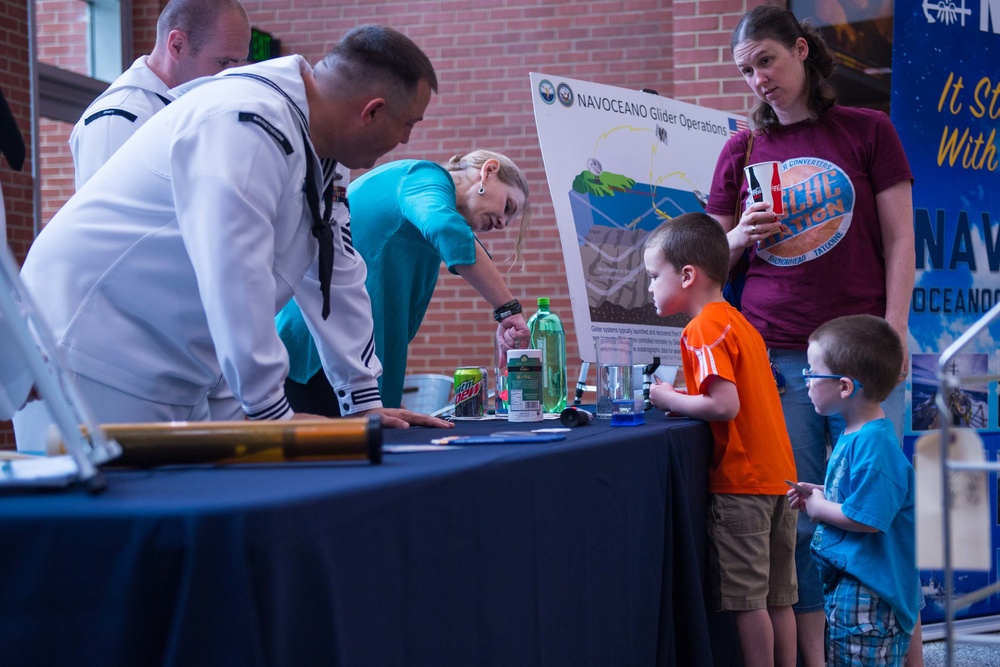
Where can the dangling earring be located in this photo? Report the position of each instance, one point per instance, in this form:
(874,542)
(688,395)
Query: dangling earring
(482,189)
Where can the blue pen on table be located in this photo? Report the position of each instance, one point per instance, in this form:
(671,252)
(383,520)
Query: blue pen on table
(501,438)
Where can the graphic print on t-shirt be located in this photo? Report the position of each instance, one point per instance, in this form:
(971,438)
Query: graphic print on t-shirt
(819,206)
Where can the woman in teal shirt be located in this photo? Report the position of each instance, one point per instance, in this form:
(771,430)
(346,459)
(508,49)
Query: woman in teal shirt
(406,218)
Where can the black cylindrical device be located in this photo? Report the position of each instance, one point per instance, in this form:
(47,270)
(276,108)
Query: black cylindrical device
(574,416)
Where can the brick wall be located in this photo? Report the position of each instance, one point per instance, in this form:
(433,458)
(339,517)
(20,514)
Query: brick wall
(56,178)
(62,33)
(483,55)
(62,27)
(144,15)
(704,72)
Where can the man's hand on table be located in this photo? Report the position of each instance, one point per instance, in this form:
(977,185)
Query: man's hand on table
(400,418)
(392,418)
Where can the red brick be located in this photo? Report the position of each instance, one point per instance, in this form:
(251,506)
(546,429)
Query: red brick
(723,71)
(696,24)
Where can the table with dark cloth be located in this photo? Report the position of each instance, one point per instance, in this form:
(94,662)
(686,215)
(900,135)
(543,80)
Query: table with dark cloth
(588,551)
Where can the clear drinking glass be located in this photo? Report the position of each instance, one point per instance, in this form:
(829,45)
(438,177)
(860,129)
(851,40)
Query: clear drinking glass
(614,375)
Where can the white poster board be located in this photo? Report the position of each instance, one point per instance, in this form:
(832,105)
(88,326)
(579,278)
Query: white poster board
(620,162)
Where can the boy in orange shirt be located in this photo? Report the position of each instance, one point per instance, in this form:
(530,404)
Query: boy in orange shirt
(751,526)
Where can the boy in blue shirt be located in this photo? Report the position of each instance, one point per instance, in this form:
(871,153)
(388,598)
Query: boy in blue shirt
(865,543)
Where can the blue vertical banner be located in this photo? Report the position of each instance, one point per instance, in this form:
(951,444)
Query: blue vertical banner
(946,108)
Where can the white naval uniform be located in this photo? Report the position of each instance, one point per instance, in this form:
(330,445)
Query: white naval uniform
(109,122)
(114,116)
(15,377)
(169,265)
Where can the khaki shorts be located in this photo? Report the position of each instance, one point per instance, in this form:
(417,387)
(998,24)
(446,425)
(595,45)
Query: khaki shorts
(751,552)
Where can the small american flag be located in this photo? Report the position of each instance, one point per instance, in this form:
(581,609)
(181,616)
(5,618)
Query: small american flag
(736,125)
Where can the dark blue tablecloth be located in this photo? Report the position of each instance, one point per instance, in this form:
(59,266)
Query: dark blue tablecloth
(588,551)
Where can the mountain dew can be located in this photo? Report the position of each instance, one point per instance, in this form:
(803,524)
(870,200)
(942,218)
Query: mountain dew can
(471,391)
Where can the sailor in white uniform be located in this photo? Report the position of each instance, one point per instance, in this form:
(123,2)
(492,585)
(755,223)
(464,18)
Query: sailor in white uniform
(15,380)
(167,268)
(15,377)
(194,38)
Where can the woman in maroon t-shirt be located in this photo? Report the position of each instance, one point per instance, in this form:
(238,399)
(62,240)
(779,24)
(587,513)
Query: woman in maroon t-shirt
(843,246)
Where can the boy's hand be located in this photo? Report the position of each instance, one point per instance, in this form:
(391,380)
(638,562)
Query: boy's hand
(661,395)
(820,509)
(800,501)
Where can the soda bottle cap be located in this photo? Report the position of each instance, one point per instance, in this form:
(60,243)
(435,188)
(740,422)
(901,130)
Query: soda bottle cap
(543,301)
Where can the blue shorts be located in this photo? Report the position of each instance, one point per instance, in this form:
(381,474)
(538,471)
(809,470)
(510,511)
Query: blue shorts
(862,630)
(812,436)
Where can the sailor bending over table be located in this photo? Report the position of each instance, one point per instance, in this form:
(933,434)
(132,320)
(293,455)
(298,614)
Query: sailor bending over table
(162,275)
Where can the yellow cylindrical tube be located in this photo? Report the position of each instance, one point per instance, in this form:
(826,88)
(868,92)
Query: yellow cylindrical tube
(165,443)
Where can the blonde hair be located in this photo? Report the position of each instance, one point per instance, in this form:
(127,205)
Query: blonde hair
(508,173)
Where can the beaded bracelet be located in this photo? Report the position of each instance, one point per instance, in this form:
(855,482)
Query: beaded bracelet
(512,307)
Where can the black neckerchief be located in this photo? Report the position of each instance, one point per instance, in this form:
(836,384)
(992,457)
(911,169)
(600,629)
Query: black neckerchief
(320,219)
(321,224)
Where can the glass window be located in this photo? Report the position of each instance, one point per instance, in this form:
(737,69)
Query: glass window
(104,46)
(859,32)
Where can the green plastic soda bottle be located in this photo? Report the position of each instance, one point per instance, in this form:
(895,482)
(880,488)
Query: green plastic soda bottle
(547,335)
